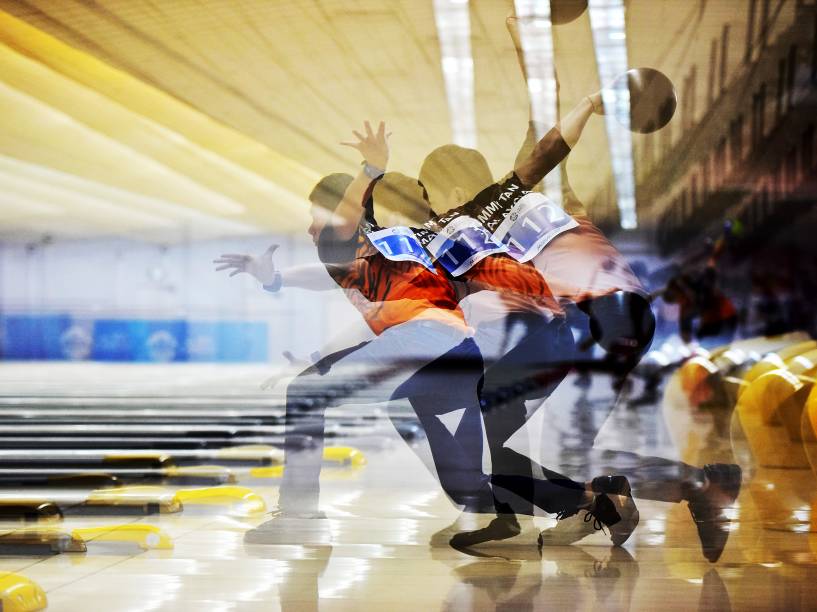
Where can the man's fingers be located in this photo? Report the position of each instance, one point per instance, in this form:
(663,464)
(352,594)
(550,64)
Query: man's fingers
(354,145)
(225,266)
(358,135)
(237,271)
(235,256)
(368,127)
(381,129)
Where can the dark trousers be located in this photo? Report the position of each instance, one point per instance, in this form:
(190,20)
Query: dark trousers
(530,369)
(399,363)
(548,349)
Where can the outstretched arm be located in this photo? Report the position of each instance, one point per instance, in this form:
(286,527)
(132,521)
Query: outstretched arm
(313,277)
(536,159)
(262,268)
(375,151)
(557,143)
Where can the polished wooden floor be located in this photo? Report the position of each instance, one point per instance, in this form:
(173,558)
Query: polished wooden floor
(373,550)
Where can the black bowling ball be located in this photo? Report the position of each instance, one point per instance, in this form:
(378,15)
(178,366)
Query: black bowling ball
(565,11)
(652,99)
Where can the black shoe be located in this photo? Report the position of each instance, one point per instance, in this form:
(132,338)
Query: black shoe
(617,512)
(501,528)
(613,507)
(612,485)
(617,491)
(707,507)
(442,538)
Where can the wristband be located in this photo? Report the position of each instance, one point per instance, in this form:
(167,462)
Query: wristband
(593,105)
(276,284)
(373,172)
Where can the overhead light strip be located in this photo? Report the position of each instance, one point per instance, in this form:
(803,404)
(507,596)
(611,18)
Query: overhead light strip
(536,36)
(608,26)
(64,191)
(454,33)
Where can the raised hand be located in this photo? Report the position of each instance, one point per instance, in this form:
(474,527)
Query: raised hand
(597,103)
(261,267)
(373,146)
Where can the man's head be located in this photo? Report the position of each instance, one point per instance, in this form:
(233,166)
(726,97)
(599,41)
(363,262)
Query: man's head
(453,175)
(400,200)
(325,197)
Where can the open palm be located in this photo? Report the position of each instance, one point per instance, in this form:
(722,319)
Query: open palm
(261,267)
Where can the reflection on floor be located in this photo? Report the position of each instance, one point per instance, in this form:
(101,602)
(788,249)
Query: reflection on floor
(372,551)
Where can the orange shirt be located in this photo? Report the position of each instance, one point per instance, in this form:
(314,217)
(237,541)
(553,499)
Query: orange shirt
(388,293)
(581,264)
(520,285)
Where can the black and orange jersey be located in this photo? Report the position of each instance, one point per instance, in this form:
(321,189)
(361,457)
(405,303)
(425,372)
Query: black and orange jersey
(386,292)
(520,285)
(582,263)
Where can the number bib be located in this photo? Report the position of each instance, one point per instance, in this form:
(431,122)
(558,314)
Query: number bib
(530,225)
(463,243)
(400,244)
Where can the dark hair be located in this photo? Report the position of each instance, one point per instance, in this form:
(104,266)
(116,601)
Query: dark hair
(402,194)
(330,189)
(451,166)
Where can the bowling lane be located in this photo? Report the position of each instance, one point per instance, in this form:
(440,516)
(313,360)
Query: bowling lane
(66,379)
(379,558)
(383,543)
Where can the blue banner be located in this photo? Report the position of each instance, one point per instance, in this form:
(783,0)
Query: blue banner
(66,338)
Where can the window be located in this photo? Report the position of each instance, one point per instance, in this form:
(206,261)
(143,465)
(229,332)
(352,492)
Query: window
(719,169)
(765,199)
(790,76)
(807,146)
(736,136)
(705,179)
(724,57)
(814,50)
(792,175)
(750,31)
(713,63)
(758,110)
(754,119)
(734,147)
(693,194)
(781,84)
(693,81)
(779,184)
(688,108)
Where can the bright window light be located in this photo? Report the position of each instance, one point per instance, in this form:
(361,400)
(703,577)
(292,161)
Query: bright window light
(610,41)
(537,48)
(454,32)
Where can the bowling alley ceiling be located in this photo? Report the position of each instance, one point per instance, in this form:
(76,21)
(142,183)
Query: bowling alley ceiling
(188,119)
